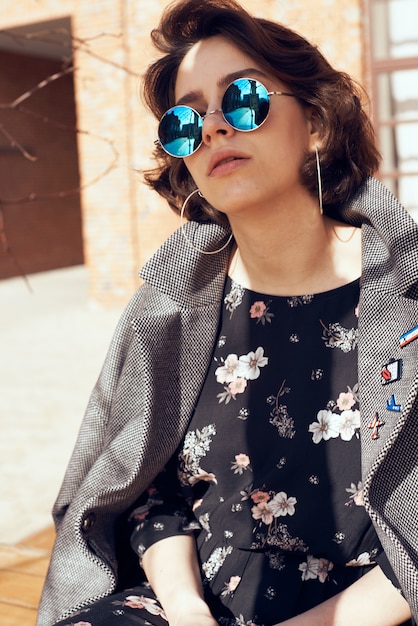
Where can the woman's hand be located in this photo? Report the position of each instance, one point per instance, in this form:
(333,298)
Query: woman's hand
(187,609)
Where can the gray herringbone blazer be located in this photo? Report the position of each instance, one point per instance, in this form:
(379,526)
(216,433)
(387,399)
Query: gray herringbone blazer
(155,368)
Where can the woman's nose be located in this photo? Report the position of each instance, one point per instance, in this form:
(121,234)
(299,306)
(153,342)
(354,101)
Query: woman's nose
(214,124)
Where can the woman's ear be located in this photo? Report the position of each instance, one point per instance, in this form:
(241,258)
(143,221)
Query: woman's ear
(315,128)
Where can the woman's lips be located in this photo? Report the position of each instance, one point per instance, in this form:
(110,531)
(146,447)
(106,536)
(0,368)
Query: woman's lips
(224,163)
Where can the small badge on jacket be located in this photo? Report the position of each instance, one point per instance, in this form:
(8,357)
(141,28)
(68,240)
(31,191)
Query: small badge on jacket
(375,424)
(391,371)
(392,405)
(406,338)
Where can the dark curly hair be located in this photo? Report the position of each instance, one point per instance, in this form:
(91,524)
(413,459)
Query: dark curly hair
(348,153)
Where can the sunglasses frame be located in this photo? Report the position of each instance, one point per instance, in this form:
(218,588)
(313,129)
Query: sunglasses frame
(203,117)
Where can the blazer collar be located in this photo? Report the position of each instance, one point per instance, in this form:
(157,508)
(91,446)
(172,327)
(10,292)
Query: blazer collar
(187,276)
(390,251)
(390,239)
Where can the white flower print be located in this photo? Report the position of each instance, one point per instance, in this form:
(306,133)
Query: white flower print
(309,568)
(240,621)
(356,492)
(317,374)
(230,586)
(204,521)
(295,301)
(227,372)
(234,298)
(249,364)
(212,566)
(350,422)
(345,400)
(276,561)
(241,463)
(279,537)
(221,341)
(229,393)
(281,505)
(365,558)
(142,602)
(325,567)
(280,418)
(336,336)
(262,511)
(315,568)
(270,593)
(237,386)
(196,445)
(243,414)
(327,426)
(201,475)
(282,462)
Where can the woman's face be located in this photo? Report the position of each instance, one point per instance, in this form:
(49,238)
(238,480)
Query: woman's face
(238,171)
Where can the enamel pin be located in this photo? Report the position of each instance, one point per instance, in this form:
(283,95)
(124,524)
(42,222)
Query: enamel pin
(375,424)
(392,405)
(391,371)
(408,337)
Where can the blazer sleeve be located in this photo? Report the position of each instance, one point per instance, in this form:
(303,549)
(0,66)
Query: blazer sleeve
(93,431)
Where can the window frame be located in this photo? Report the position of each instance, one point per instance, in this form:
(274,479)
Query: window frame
(387,65)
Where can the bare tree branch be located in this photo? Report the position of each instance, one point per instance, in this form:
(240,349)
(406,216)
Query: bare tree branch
(40,85)
(71,44)
(8,250)
(31,197)
(17,145)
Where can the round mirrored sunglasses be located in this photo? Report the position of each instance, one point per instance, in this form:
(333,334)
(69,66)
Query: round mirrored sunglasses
(245,107)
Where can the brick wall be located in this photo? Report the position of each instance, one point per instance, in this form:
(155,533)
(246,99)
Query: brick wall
(123,222)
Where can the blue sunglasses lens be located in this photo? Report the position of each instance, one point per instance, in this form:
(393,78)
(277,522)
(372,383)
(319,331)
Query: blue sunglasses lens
(245,106)
(180,131)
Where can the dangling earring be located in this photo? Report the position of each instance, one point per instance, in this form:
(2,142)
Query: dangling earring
(184,232)
(318,173)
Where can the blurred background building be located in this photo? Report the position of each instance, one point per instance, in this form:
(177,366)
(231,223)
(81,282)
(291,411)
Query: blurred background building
(71,198)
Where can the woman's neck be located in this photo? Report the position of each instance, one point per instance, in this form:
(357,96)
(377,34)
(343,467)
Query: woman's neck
(294,255)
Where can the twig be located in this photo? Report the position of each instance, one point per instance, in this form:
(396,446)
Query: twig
(40,85)
(16,144)
(9,252)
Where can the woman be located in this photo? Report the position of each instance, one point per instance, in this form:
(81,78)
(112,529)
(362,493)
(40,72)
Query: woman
(222,439)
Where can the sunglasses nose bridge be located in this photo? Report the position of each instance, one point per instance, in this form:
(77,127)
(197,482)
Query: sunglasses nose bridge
(211,113)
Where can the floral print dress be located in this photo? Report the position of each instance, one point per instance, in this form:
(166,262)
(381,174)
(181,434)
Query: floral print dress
(268,475)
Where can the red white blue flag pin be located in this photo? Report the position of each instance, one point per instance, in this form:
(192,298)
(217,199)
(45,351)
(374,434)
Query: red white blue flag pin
(406,338)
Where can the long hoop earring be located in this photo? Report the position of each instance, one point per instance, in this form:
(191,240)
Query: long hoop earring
(190,243)
(318,173)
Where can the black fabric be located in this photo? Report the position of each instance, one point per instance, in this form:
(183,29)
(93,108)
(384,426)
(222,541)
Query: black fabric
(277,425)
